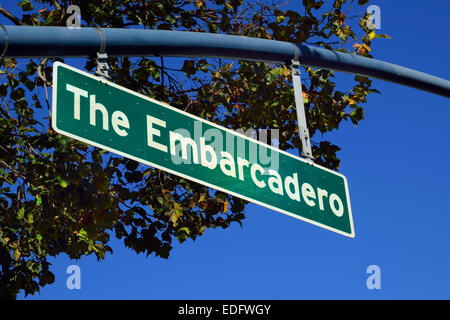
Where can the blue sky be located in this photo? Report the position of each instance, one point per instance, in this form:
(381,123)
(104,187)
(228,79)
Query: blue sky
(395,163)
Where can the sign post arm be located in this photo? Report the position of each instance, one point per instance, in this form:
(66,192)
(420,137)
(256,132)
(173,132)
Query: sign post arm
(62,42)
(300,108)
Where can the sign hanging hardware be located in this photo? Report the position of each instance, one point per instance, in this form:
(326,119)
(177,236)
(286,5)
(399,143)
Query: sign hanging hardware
(102,58)
(300,108)
(102,66)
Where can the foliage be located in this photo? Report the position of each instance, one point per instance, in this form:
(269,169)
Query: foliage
(58,195)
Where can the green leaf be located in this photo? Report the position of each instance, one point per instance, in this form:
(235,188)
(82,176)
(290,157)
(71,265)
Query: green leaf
(26,5)
(189,67)
(3,89)
(47,278)
(171,20)
(182,234)
(363,80)
(185,230)
(83,234)
(382,36)
(63,183)
(20,213)
(16,254)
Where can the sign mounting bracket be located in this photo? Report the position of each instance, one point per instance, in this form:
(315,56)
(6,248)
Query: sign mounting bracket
(300,108)
(102,58)
(102,66)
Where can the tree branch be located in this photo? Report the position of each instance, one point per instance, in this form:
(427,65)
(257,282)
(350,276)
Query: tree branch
(11,17)
(56,4)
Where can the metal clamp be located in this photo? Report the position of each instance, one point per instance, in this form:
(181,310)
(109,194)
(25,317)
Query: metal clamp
(102,58)
(102,66)
(300,108)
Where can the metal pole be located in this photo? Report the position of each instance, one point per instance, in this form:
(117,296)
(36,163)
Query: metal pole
(25,41)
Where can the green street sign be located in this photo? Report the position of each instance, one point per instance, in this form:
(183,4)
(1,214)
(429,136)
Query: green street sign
(108,116)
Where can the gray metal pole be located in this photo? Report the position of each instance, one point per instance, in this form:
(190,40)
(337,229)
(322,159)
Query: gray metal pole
(28,42)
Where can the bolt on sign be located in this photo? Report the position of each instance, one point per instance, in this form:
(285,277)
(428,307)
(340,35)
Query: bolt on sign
(108,116)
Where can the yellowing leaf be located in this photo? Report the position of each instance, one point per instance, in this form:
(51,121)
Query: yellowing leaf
(176,213)
(198,3)
(175,217)
(225,207)
(202,197)
(365,46)
(280,19)
(202,230)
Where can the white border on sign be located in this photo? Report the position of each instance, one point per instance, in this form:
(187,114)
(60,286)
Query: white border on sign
(54,112)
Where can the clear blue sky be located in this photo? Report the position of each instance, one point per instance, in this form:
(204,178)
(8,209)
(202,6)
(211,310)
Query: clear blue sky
(396,165)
